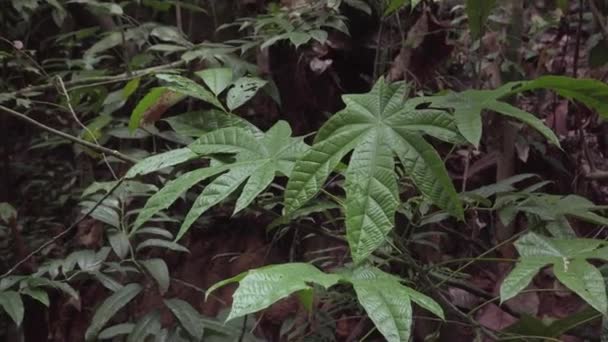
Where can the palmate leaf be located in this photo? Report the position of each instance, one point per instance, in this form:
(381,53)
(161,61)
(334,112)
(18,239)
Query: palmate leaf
(568,258)
(376,126)
(384,298)
(258,159)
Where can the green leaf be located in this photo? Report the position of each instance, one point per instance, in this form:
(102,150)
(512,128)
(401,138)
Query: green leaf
(110,307)
(425,302)
(188,317)
(585,280)
(116,330)
(386,302)
(520,277)
(243,90)
(190,88)
(260,288)
(161,161)
(371,196)
(11,303)
(525,117)
(592,93)
(478,12)
(38,294)
(7,212)
(395,5)
(213,194)
(298,38)
(160,272)
(144,104)
(146,326)
(120,243)
(227,140)
(217,79)
(162,244)
(378,126)
(197,123)
(172,191)
(258,159)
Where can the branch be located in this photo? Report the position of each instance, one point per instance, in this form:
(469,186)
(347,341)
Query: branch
(101,79)
(69,137)
(597,14)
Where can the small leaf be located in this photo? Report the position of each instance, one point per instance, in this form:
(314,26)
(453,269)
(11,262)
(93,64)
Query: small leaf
(144,104)
(298,38)
(217,79)
(160,272)
(12,304)
(188,317)
(110,307)
(162,244)
(116,330)
(120,243)
(244,89)
(38,294)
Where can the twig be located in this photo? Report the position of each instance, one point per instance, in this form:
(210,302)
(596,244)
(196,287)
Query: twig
(65,232)
(69,137)
(68,100)
(106,79)
(599,17)
(578,38)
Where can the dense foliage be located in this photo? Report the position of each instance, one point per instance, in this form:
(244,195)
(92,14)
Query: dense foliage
(335,161)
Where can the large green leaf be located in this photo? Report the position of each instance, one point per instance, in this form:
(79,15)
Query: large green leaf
(567,257)
(260,288)
(159,271)
(11,303)
(146,326)
(377,126)
(257,161)
(110,307)
(244,89)
(388,302)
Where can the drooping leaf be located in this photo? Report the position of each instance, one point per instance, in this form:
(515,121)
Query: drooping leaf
(160,161)
(388,302)
(11,303)
(172,191)
(187,316)
(585,280)
(38,294)
(592,93)
(217,79)
(260,288)
(160,272)
(146,326)
(110,307)
(568,258)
